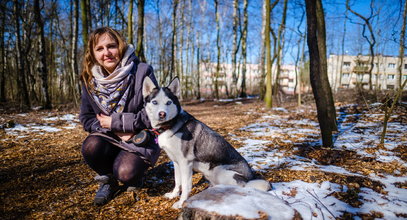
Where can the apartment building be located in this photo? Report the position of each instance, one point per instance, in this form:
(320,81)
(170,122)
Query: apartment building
(287,78)
(345,71)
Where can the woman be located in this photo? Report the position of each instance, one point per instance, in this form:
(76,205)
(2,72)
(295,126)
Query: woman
(112,111)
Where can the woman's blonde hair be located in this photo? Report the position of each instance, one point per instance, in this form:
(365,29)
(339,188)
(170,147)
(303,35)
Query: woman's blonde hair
(89,60)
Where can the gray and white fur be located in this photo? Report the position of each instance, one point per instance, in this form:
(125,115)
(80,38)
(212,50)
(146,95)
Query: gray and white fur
(193,146)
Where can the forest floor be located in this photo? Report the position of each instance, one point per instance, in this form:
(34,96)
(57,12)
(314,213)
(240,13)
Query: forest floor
(43,175)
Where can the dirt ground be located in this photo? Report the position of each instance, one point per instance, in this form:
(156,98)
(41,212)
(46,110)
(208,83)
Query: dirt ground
(44,175)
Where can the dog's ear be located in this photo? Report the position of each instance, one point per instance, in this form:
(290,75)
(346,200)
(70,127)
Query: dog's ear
(174,87)
(148,86)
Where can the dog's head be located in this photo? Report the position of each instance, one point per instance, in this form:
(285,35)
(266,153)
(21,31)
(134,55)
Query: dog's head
(162,103)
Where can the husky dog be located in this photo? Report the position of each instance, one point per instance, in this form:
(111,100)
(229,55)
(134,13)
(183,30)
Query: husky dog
(192,145)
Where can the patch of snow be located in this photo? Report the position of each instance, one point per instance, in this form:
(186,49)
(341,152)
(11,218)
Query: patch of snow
(280,109)
(312,200)
(67,117)
(245,202)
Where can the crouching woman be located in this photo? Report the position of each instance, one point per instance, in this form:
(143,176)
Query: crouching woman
(112,111)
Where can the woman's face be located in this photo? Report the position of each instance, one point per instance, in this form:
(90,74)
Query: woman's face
(106,52)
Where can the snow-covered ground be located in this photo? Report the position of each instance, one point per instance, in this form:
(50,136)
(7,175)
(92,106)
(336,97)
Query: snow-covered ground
(69,120)
(311,200)
(315,200)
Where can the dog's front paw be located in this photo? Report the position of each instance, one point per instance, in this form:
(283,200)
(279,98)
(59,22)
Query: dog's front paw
(171,195)
(177,205)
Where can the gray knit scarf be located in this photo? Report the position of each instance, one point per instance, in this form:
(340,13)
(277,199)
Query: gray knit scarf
(111,91)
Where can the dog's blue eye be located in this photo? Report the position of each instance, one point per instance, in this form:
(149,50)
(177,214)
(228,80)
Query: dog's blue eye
(154,102)
(168,103)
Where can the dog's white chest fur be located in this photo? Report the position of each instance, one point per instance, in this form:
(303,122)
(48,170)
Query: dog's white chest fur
(172,145)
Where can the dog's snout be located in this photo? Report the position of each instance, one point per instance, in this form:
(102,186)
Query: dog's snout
(162,114)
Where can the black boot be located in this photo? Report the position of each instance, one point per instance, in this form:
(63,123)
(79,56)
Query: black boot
(107,189)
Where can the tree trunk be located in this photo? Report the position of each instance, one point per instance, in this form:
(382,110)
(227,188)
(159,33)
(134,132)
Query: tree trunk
(75,87)
(280,47)
(180,67)
(3,58)
(130,22)
(198,74)
(140,31)
(85,24)
(235,46)
(42,56)
(343,50)
(402,44)
(22,83)
(321,34)
(268,99)
(217,72)
(174,38)
(318,74)
(262,87)
(244,50)
(388,111)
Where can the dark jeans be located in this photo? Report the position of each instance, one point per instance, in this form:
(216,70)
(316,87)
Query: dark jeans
(106,158)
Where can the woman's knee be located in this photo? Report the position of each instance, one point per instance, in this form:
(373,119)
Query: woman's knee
(95,146)
(130,170)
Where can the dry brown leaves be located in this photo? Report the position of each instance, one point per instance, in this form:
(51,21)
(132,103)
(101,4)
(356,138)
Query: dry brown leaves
(44,175)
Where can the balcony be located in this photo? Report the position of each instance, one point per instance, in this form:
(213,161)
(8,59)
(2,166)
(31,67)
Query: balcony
(360,69)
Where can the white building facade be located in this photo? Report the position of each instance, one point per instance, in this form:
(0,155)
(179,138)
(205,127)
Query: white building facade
(343,72)
(351,71)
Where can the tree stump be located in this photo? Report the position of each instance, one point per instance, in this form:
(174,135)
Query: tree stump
(233,202)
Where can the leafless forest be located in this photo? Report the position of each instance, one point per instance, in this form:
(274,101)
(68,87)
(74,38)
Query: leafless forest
(42,47)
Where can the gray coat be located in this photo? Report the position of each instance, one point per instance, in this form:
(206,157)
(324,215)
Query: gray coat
(133,119)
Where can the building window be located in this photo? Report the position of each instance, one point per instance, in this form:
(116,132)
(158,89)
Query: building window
(405,66)
(346,64)
(390,76)
(391,65)
(390,86)
(404,77)
(290,80)
(345,75)
(345,85)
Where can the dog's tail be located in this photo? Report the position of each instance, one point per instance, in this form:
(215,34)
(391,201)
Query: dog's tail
(259,184)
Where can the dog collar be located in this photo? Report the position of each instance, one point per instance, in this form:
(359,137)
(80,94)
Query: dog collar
(159,130)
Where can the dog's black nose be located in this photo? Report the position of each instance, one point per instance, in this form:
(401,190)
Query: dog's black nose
(162,115)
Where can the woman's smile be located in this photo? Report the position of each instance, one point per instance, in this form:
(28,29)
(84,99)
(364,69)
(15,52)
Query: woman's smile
(106,52)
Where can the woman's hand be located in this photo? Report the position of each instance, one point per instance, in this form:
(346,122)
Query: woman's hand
(124,136)
(105,121)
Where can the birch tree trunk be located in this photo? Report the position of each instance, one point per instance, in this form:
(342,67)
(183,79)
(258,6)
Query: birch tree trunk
(218,49)
(244,50)
(43,68)
(75,86)
(262,84)
(235,46)
(174,38)
(278,54)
